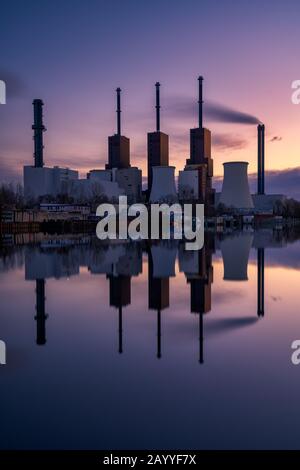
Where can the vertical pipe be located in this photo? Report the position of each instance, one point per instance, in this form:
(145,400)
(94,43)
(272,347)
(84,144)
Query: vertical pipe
(200,102)
(118,111)
(38,129)
(258,159)
(157,85)
(262,159)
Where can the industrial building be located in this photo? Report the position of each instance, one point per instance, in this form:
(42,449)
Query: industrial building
(38,179)
(158,144)
(117,179)
(118,145)
(195,181)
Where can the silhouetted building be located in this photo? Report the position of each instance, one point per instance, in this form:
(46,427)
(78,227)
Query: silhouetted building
(158,144)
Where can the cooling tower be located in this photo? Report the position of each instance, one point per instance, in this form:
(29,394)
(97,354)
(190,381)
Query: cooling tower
(235,253)
(235,190)
(163,184)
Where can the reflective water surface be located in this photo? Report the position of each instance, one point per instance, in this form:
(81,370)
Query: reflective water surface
(132,345)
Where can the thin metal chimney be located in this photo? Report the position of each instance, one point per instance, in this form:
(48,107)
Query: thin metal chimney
(261,159)
(38,128)
(200,102)
(118,90)
(157,85)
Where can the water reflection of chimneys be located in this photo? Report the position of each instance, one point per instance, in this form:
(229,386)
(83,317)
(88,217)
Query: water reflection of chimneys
(119,297)
(197,266)
(161,266)
(40,312)
(260,282)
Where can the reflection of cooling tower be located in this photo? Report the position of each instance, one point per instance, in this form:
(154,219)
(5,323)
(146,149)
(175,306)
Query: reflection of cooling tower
(163,184)
(163,258)
(235,253)
(235,189)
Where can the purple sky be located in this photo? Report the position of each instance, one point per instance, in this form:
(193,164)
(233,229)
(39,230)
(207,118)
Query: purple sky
(73,54)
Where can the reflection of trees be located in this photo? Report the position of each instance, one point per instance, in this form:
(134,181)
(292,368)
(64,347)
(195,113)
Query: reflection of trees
(287,208)
(11,258)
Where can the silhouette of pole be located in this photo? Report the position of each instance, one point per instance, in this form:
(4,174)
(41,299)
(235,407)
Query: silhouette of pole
(118,111)
(157,85)
(158,334)
(120,331)
(200,102)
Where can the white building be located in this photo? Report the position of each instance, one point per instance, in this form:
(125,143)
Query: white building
(110,184)
(47,181)
(127,180)
(91,188)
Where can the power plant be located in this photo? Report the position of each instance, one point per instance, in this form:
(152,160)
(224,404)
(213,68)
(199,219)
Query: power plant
(120,178)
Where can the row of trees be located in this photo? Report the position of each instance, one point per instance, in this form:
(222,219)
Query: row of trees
(289,208)
(13,194)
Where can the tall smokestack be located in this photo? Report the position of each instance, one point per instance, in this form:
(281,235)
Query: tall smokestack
(157,85)
(261,159)
(200,102)
(38,129)
(118,111)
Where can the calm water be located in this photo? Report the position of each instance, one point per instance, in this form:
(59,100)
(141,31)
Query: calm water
(150,347)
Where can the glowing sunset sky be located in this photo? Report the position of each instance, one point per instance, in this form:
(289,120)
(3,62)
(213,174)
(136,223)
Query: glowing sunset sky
(73,54)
